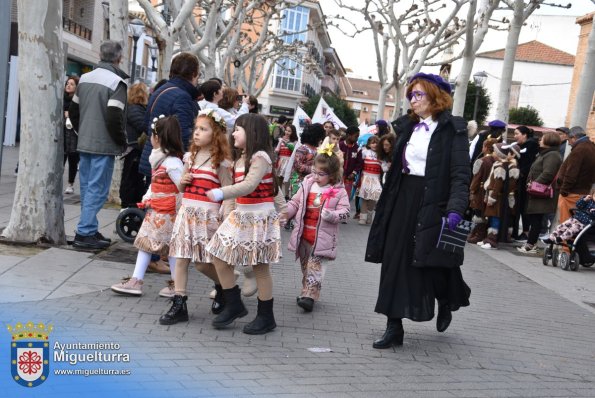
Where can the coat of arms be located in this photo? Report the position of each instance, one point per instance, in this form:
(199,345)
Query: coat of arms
(29,349)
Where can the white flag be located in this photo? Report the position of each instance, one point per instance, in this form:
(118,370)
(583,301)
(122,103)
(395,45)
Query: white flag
(324,113)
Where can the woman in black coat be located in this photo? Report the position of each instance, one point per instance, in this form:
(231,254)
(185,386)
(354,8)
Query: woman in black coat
(428,182)
(70,135)
(132,186)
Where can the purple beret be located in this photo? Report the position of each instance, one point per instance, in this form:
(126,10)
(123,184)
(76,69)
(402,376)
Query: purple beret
(499,124)
(382,123)
(434,79)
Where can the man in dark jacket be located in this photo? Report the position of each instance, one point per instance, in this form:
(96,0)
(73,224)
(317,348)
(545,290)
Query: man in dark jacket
(577,173)
(98,113)
(563,133)
(177,97)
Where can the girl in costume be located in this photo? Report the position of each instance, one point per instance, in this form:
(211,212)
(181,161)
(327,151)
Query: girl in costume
(370,188)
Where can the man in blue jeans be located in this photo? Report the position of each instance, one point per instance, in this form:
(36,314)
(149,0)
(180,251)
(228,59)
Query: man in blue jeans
(98,113)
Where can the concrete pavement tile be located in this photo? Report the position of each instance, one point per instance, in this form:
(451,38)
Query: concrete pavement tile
(7,262)
(70,288)
(9,293)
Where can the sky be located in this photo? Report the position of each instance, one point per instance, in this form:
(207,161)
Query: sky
(358,53)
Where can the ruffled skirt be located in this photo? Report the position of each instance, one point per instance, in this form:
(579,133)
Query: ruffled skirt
(250,235)
(155,233)
(194,227)
(282,165)
(370,188)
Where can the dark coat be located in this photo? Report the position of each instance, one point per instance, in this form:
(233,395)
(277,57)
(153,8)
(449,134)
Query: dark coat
(178,99)
(544,170)
(529,151)
(70,135)
(135,123)
(447,179)
(577,173)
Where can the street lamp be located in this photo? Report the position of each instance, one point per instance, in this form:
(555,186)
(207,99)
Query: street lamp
(137,27)
(153,51)
(479,79)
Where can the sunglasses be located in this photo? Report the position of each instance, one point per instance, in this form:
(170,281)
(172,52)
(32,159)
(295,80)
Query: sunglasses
(418,95)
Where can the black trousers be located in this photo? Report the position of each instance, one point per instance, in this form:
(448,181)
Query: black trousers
(534,227)
(132,186)
(73,162)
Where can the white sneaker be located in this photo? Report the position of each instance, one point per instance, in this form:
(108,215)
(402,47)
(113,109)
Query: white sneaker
(169,290)
(69,189)
(527,249)
(129,286)
(480,243)
(487,246)
(249,287)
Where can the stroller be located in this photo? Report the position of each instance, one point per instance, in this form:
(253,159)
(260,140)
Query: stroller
(128,223)
(581,251)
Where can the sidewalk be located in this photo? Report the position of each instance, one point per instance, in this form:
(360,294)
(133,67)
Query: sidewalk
(528,332)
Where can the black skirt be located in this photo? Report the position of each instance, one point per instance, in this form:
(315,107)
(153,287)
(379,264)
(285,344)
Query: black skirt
(406,291)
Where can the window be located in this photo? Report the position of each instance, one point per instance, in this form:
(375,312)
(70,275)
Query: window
(515,93)
(294,26)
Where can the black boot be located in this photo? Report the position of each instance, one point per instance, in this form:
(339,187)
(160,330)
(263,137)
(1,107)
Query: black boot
(234,308)
(218,302)
(264,321)
(392,336)
(177,313)
(306,303)
(444,317)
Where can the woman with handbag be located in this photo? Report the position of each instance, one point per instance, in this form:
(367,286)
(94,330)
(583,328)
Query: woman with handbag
(428,182)
(541,194)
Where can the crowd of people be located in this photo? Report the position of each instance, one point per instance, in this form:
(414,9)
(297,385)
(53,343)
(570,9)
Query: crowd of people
(218,182)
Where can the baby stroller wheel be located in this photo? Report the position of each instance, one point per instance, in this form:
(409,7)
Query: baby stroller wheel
(128,223)
(564,261)
(547,254)
(555,256)
(575,261)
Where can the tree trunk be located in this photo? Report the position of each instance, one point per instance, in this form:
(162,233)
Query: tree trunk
(468,60)
(586,88)
(118,31)
(512,43)
(166,51)
(38,212)
(382,101)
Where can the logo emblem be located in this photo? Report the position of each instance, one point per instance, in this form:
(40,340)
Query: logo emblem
(30,353)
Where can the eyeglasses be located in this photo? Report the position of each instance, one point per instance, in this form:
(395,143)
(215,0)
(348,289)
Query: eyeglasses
(320,174)
(418,95)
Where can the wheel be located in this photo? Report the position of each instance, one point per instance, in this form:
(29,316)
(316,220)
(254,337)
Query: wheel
(128,223)
(555,255)
(575,261)
(547,254)
(564,261)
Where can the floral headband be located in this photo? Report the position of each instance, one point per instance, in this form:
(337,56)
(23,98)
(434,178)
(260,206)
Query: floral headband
(213,114)
(155,119)
(326,150)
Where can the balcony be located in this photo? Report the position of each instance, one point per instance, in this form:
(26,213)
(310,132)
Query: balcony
(330,84)
(76,29)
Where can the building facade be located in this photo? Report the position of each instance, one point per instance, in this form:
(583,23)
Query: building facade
(362,95)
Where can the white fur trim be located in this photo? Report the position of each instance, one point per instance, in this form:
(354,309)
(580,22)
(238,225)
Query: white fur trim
(514,173)
(477,166)
(499,173)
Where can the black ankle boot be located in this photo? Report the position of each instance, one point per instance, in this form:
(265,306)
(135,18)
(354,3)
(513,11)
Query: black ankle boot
(392,336)
(234,308)
(306,303)
(218,302)
(444,317)
(264,321)
(177,313)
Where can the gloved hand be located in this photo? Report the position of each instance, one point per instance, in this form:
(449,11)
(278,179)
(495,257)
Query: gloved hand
(327,215)
(453,220)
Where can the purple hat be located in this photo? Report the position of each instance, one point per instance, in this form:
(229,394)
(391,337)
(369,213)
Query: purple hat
(434,79)
(499,124)
(382,123)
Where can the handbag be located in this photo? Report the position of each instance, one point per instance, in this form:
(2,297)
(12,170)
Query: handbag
(539,190)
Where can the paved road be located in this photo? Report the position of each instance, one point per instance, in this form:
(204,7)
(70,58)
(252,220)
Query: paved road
(517,339)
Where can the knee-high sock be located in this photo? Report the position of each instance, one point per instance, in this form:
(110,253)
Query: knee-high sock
(208,270)
(181,276)
(142,263)
(172,267)
(224,273)
(264,281)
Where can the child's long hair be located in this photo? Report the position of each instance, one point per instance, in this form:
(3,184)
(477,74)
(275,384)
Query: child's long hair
(293,137)
(219,144)
(331,165)
(380,153)
(168,130)
(257,139)
(371,140)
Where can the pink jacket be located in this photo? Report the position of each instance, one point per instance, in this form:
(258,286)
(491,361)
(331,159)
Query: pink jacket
(327,230)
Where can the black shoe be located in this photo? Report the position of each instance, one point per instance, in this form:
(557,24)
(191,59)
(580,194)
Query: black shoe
(177,313)
(392,336)
(218,302)
(234,308)
(306,303)
(264,321)
(102,238)
(444,317)
(521,238)
(89,242)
